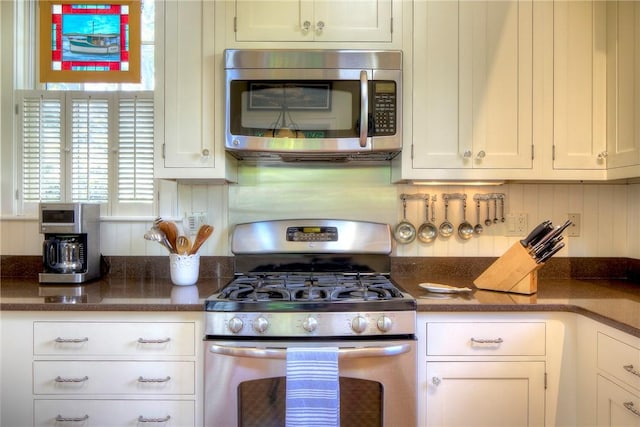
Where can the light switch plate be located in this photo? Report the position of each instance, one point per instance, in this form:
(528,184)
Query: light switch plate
(574,229)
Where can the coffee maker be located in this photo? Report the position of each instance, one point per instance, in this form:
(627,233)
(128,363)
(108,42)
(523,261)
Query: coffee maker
(71,247)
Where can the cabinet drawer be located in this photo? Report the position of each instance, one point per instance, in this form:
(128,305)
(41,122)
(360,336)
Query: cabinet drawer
(114,338)
(615,405)
(113,377)
(486,339)
(619,360)
(107,413)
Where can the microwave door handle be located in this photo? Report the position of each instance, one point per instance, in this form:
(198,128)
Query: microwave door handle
(281,353)
(364,108)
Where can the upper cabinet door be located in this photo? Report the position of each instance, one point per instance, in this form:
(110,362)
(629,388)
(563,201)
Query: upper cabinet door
(579,84)
(313,20)
(623,83)
(473,84)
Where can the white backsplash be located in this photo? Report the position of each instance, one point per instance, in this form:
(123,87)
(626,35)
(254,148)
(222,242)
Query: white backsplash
(609,212)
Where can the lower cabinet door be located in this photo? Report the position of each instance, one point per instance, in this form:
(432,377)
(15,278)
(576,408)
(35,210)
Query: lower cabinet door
(107,413)
(616,406)
(491,394)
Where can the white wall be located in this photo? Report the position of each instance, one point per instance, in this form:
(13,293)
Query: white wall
(609,212)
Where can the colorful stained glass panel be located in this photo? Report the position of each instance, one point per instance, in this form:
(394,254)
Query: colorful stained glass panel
(90,41)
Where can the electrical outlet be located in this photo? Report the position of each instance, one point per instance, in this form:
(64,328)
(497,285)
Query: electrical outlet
(516,224)
(574,229)
(193,222)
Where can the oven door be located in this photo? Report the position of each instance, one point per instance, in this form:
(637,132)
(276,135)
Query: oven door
(245,382)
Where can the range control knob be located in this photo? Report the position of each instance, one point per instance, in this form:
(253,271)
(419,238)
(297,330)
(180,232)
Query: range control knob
(359,324)
(310,324)
(384,324)
(260,324)
(235,325)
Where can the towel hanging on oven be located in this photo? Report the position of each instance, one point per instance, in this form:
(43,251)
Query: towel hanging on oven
(313,390)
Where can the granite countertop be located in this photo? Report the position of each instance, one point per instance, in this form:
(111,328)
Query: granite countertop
(613,302)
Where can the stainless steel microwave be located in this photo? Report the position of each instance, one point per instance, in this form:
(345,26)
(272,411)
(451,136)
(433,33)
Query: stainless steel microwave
(331,105)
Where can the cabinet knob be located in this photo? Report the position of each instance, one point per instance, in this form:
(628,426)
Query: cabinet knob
(306,25)
(466,154)
(320,26)
(480,155)
(436,381)
(205,152)
(602,155)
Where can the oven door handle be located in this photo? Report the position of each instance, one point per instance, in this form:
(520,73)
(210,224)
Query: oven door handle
(281,353)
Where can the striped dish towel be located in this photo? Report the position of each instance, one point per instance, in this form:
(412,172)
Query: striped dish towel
(313,390)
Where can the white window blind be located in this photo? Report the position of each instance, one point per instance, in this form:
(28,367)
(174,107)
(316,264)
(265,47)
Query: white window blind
(41,133)
(89,125)
(135,148)
(84,146)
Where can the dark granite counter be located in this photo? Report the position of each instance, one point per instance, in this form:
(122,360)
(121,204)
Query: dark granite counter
(110,294)
(611,295)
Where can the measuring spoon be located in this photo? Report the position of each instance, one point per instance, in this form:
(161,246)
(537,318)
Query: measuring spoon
(495,210)
(478,228)
(487,221)
(465,229)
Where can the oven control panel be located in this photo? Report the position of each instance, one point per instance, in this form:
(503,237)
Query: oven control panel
(310,324)
(312,234)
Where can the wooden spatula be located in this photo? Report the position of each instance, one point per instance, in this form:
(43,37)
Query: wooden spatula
(203,234)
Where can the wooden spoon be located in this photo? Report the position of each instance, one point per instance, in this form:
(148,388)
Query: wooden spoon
(183,245)
(203,234)
(170,230)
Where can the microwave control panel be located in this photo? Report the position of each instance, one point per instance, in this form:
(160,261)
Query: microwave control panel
(384,108)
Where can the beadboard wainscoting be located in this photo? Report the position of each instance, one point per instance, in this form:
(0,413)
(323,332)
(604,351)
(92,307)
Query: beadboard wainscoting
(609,212)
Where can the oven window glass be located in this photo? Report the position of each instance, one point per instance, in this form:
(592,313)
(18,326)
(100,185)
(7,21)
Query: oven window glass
(261,403)
(310,109)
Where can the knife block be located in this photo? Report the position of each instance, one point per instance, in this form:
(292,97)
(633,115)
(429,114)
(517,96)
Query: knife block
(515,271)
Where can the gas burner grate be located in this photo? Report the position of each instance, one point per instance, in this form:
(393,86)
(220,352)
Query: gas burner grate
(310,288)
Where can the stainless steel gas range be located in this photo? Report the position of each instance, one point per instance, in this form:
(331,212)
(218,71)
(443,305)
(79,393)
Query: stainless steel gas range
(310,283)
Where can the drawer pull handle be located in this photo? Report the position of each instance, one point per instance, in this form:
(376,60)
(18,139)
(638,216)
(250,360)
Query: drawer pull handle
(487,341)
(61,340)
(59,379)
(61,419)
(153,380)
(153,341)
(142,419)
(630,369)
(631,408)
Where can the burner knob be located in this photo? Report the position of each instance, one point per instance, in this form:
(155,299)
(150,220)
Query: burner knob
(235,325)
(384,324)
(260,324)
(359,324)
(310,324)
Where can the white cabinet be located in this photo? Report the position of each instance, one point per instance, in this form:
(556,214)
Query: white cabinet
(618,380)
(188,100)
(54,413)
(485,394)
(313,20)
(471,89)
(616,405)
(102,369)
(623,83)
(482,370)
(579,84)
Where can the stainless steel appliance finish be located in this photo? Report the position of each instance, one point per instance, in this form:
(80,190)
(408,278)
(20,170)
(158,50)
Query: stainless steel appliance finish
(71,247)
(330,105)
(310,283)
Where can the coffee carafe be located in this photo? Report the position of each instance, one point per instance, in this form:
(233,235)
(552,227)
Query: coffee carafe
(64,254)
(71,247)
